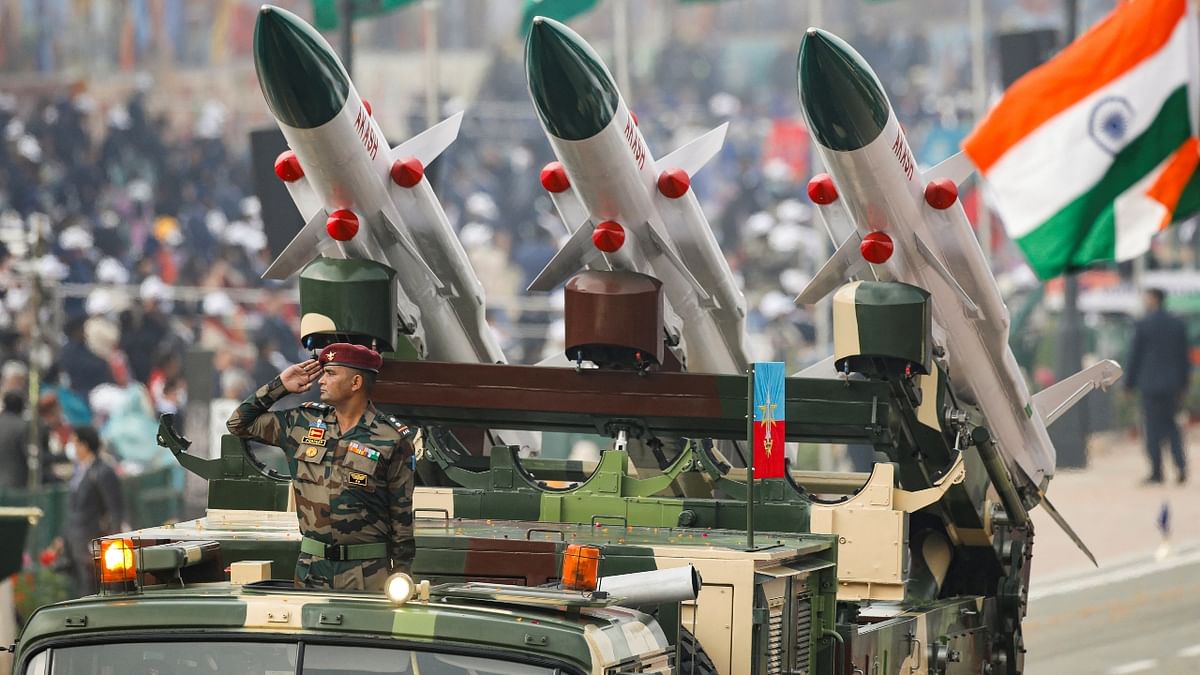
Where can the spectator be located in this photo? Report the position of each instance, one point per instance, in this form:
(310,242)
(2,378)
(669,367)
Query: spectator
(14,434)
(95,506)
(83,368)
(1159,369)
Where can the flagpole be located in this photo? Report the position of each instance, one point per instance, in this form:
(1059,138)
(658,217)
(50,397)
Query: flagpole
(432,64)
(750,457)
(621,44)
(1070,433)
(983,217)
(347,25)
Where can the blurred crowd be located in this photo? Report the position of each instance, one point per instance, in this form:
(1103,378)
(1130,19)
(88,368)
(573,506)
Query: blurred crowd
(111,227)
(149,243)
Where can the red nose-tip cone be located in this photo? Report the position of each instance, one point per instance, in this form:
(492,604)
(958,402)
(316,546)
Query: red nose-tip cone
(608,236)
(367,105)
(674,183)
(407,172)
(876,248)
(554,178)
(342,225)
(287,167)
(941,193)
(822,190)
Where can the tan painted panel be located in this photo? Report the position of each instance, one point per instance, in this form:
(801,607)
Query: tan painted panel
(313,322)
(845,322)
(433,498)
(713,624)
(927,412)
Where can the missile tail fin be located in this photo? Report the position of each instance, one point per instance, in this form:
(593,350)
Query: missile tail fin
(1066,527)
(957,167)
(821,370)
(660,242)
(972,310)
(301,250)
(395,233)
(570,207)
(577,253)
(427,145)
(696,153)
(845,262)
(1053,401)
(306,199)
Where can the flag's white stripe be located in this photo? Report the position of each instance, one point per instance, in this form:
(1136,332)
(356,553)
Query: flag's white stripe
(1138,216)
(1059,161)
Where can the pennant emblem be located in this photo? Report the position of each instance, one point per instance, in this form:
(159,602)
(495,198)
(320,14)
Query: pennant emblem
(769,429)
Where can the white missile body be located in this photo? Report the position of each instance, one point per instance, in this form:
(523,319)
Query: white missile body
(613,178)
(880,190)
(346,164)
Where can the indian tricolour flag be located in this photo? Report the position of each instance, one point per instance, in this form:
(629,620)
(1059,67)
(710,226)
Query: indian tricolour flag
(1089,155)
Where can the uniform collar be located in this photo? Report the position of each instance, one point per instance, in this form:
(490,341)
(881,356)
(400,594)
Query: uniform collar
(367,419)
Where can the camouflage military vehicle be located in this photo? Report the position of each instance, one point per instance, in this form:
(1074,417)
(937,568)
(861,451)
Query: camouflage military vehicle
(919,567)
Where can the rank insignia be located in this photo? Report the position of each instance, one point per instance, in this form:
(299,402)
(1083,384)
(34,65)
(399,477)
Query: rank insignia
(357,479)
(315,436)
(311,452)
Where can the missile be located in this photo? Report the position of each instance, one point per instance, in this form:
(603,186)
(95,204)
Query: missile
(361,199)
(626,210)
(907,225)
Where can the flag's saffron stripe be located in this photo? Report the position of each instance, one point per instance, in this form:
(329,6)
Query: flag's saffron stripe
(1129,35)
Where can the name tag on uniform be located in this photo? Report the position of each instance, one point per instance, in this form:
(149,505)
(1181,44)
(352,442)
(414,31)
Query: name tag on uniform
(358,449)
(356,479)
(315,436)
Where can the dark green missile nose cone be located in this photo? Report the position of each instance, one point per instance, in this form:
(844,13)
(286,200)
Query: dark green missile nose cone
(301,77)
(571,88)
(843,102)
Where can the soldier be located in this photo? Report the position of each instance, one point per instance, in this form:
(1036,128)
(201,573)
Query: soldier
(351,469)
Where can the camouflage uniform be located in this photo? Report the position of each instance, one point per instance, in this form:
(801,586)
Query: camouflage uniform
(352,487)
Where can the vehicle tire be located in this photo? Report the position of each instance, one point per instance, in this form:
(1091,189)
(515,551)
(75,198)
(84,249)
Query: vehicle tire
(692,658)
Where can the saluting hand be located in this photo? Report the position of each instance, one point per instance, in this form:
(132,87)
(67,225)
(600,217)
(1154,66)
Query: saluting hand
(299,378)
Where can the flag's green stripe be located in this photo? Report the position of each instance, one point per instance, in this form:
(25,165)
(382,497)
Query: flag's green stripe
(1189,201)
(1083,232)
(327,14)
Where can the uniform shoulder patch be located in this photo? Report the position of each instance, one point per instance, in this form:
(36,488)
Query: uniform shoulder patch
(405,430)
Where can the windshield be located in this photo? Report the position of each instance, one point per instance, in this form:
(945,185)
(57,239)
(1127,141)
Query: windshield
(263,658)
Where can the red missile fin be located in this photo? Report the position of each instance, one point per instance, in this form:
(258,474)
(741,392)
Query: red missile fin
(876,248)
(287,167)
(342,225)
(554,178)
(941,193)
(822,190)
(407,172)
(674,183)
(608,236)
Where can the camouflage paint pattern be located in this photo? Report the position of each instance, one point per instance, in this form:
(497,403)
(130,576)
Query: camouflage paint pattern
(947,637)
(592,639)
(355,297)
(352,486)
(877,319)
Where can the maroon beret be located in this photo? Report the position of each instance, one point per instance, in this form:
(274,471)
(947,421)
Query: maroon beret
(351,356)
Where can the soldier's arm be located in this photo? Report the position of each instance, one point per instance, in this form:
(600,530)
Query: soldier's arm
(402,546)
(254,418)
